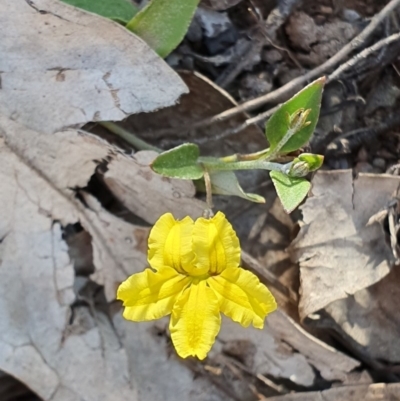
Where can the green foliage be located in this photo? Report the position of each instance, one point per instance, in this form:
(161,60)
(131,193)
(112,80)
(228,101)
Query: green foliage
(291,190)
(226,183)
(162,24)
(120,10)
(180,162)
(299,114)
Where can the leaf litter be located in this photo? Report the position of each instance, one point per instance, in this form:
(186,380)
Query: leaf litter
(65,338)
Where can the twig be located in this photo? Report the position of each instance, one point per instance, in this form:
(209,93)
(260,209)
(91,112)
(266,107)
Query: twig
(235,130)
(265,115)
(292,86)
(364,54)
(269,383)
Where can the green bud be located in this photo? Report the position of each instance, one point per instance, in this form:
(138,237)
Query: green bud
(299,168)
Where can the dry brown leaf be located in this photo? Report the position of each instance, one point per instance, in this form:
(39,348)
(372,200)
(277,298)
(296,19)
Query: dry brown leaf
(205,99)
(369,320)
(160,374)
(331,364)
(37,276)
(338,253)
(372,392)
(62,67)
(284,350)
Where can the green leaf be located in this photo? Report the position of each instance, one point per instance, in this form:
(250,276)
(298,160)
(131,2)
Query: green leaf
(291,190)
(119,10)
(279,123)
(226,183)
(162,24)
(180,162)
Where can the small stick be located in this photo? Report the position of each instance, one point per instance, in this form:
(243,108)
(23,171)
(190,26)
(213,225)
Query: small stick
(364,54)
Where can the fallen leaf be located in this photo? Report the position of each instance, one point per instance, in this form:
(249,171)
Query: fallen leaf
(37,344)
(372,392)
(339,254)
(284,350)
(331,364)
(52,78)
(369,319)
(160,374)
(205,99)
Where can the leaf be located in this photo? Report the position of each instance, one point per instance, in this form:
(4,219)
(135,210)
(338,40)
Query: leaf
(339,253)
(351,392)
(120,10)
(180,162)
(55,349)
(291,190)
(277,126)
(162,24)
(226,183)
(52,78)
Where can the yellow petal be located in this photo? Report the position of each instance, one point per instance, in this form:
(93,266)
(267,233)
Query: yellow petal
(215,244)
(151,295)
(170,243)
(195,321)
(242,297)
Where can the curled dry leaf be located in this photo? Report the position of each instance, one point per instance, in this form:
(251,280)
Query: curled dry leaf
(372,392)
(369,320)
(159,373)
(339,253)
(37,276)
(62,67)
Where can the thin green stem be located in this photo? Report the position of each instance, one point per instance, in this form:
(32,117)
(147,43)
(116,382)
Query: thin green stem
(129,137)
(207,181)
(246,165)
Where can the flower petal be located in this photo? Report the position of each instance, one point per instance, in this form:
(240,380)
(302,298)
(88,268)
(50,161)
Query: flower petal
(151,295)
(215,244)
(242,297)
(170,243)
(195,321)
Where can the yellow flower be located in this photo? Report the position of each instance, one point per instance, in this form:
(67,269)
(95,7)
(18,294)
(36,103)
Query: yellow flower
(196,276)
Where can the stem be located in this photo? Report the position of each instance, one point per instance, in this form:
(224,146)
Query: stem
(207,181)
(129,137)
(247,165)
(238,157)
